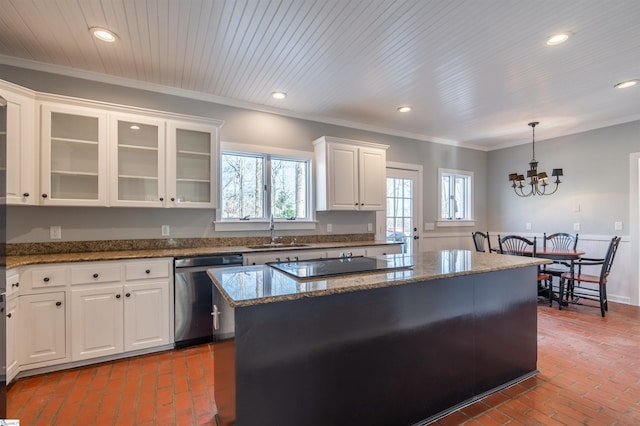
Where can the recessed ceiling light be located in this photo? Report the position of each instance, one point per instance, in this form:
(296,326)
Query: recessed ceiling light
(278,95)
(558,38)
(625,84)
(103,34)
(405,108)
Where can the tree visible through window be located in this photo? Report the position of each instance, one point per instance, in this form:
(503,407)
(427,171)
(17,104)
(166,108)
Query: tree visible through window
(248,180)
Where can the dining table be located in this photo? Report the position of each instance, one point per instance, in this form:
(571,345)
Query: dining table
(555,254)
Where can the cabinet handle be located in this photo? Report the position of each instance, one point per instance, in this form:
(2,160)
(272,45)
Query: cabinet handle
(44,195)
(161,199)
(173,199)
(128,294)
(45,279)
(9,315)
(118,296)
(26,194)
(58,303)
(15,285)
(148,271)
(95,275)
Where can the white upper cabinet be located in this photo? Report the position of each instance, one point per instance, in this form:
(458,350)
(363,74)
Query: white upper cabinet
(73,155)
(192,158)
(350,175)
(137,161)
(21,161)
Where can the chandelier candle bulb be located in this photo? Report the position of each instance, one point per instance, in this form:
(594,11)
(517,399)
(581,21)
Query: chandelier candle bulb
(537,181)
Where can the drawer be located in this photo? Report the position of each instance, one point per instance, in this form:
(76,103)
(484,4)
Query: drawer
(13,283)
(95,274)
(48,277)
(142,270)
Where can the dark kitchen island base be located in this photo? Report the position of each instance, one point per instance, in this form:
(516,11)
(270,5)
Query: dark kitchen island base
(397,355)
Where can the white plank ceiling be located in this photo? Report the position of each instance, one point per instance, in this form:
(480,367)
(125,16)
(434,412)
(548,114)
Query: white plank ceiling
(475,71)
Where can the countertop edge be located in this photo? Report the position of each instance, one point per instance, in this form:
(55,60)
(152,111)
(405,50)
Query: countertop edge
(42,259)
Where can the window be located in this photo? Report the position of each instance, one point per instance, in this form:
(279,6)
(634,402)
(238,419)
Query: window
(456,197)
(257,185)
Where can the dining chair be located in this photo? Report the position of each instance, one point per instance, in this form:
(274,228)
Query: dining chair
(519,246)
(479,240)
(581,285)
(559,241)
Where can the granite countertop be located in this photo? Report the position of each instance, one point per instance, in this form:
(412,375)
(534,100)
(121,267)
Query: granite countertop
(253,285)
(84,256)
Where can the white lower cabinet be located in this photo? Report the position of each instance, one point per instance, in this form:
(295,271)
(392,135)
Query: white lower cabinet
(96,321)
(44,337)
(108,319)
(12,322)
(146,316)
(114,307)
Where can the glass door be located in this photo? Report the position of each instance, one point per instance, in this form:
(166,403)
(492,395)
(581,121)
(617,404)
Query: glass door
(191,180)
(138,159)
(401,213)
(74,160)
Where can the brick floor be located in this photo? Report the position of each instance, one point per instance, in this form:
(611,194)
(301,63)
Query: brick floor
(589,375)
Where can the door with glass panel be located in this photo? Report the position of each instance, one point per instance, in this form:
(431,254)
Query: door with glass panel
(74,147)
(192,165)
(137,161)
(402,209)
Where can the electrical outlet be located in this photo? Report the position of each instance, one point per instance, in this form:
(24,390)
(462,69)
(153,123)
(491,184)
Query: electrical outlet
(369,227)
(576,226)
(527,226)
(165,230)
(329,227)
(617,226)
(55,232)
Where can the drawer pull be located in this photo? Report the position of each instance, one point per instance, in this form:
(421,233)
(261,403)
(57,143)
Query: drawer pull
(44,195)
(15,285)
(118,296)
(161,199)
(95,275)
(173,199)
(58,303)
(128,294)
(26,194)
(9,315)
(46,279)
(148,271)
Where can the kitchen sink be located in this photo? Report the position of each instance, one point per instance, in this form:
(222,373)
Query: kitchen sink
(277,245)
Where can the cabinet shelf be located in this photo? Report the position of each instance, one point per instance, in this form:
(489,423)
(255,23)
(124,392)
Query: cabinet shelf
(193,180)
(137,177)
(73,173)
(77,141)
(138,147)
(194,153)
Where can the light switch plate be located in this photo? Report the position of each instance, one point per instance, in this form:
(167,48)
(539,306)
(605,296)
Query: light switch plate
(617,226)
(527,226)
(166,230)
(329,227)
(369,227)
(55,232)
(576,226)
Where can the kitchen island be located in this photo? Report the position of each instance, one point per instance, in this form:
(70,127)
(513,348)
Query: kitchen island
(395,348)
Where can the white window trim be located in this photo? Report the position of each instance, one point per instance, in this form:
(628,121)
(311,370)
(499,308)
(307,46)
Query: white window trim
(444,223)
(224,225)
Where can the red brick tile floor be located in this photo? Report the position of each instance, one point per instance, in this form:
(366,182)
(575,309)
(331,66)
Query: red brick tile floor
(589,375)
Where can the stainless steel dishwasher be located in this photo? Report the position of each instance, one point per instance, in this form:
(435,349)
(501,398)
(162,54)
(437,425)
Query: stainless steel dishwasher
(193,323)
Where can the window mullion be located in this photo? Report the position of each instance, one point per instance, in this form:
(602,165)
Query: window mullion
(268,211)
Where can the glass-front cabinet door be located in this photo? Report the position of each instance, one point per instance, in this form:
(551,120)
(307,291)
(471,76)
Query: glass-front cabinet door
(192,154)
(74,148)
(137,161)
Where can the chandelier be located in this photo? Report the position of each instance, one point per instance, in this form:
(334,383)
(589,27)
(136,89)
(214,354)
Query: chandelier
(537,181)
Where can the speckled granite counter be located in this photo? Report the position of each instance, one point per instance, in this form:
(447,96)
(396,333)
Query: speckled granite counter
(79,253)
(252,285)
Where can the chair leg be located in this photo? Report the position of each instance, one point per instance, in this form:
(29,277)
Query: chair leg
(550,290)
(603,300)
(560,293)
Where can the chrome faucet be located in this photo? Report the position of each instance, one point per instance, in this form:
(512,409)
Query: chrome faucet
(272,229)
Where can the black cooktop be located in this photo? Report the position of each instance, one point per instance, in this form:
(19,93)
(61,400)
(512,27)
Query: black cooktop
(318,268)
